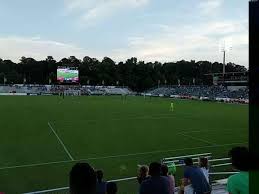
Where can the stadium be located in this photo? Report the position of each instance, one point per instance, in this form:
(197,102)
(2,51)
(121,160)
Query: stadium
(49,128)
(142,121)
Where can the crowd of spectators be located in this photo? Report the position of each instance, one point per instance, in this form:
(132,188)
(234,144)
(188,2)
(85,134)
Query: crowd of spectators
(56,89)
(158,179)
(201,91)
(20,88)
(211,92)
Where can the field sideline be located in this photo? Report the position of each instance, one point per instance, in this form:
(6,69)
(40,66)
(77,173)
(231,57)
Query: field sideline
(43,136)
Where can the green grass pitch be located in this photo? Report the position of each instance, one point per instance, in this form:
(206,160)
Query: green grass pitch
(108,133)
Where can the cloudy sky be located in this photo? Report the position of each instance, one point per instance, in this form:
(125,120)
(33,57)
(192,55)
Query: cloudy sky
(163,30)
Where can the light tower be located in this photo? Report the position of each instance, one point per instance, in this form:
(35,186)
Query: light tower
(225,46)
(224,61)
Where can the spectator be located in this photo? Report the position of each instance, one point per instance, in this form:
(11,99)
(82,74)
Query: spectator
(194,176)
(164,172)
(111,188)
(172,168)
(143,174)
(204,166)
(82,179)
(156,184)
(238,183)
(100,185)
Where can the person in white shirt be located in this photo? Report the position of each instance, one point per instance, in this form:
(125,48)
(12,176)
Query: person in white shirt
(204,166)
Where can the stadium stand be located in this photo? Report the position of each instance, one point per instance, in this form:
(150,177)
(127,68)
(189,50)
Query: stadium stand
(220,93)
(68,89)
(211,92)
(200,91)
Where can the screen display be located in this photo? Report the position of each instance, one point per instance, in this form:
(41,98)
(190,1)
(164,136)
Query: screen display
(67,75)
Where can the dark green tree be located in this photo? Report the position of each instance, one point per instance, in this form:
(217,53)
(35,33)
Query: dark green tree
(138,75)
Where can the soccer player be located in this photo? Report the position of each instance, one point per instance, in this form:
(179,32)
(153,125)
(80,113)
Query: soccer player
(172,107)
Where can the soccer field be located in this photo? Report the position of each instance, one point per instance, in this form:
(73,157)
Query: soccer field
(43,136)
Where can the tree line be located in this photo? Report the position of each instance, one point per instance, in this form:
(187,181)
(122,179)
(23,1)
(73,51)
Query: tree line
(138,75)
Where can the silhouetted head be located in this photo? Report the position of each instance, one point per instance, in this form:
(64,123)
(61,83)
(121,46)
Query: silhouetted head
(143,171)
(240,158)
(111,188)
(188,161)
(82,179)
(164,170)
(99,175)
(204,162)
(154,169)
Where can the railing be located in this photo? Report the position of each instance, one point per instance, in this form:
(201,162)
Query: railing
(179,160)
(131,181)
(65,190)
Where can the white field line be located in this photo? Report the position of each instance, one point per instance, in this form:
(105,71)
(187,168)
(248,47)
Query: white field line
(61,142)
(205,130)
(197,139)
(119,156)
(122,179)
(36,164)
(49,190)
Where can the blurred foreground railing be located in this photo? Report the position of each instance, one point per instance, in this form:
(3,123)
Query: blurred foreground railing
(129,185)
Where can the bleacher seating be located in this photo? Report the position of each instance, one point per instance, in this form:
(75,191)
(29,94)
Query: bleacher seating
(54,89)
(211,92)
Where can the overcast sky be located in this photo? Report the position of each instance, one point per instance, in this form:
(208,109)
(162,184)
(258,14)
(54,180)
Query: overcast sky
(162,30)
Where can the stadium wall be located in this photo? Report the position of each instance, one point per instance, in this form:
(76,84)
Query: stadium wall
(13,94)
(204,98)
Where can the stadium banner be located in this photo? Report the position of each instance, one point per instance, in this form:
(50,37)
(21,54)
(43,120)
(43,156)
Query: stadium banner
(13,94)
(194,97)
(223,99)
(204,98)
(174,96)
